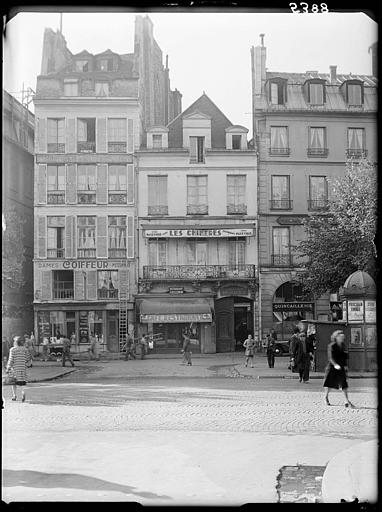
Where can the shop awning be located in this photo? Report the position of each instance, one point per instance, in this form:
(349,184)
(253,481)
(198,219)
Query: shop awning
(175,311)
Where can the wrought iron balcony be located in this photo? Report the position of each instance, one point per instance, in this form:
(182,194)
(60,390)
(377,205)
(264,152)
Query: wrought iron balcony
(201,209)
(56,253)
(280,204)
(157,210)
(56,147)
(86,253)
(116,147)
(56,196)
(117,253)
(236,209)
(198,272)
(104,293)
(86,147)
(117,197)
(86,197)
(317,204)
(63,290)
(318,152)
(279,151)
(281,260)
(356,153)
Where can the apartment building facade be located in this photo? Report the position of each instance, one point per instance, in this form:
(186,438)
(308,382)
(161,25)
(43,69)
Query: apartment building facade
(307,126)
(197,232)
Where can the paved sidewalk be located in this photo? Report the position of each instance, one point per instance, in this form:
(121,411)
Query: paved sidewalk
(229,365)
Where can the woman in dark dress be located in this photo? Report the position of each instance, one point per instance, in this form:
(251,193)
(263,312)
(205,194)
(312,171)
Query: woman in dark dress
(335,373)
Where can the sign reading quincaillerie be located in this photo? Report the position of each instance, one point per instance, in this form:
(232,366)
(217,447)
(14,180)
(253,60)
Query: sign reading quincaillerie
(82,264)
(196,233)
(293,306)
(175,318)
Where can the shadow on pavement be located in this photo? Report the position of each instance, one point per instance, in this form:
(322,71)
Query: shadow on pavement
(25,478)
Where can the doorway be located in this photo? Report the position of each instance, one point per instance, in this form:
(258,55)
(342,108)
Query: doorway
(112,331)
(243,322)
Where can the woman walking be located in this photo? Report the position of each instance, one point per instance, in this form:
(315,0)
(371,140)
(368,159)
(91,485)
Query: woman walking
(335,373)
(249,345)
(19,358)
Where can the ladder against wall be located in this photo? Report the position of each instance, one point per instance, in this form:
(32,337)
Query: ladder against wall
(123,311)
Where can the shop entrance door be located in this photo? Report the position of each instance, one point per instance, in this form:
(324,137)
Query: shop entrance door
(225,335)
(112,331)
(243,322)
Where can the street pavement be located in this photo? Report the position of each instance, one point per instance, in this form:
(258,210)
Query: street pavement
(125,431)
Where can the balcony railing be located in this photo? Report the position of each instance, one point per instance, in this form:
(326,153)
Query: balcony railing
(317,204)
(56,253)
(279,151)
(86,147)
(356,153)
(103,293)
(56,147)
(199,272)
(86,253)
(117,253)
(117,197)
(201,209)
(56,196)
(157,210)
(281,260)
(116,147)
(63,290)
(281,204)
(318,152)
(233,209)
(86,198)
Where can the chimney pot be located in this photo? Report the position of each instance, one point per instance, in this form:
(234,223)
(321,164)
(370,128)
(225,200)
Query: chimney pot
(262,39)
(333,74)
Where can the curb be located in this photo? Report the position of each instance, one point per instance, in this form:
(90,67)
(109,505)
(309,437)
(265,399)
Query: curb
(57,376)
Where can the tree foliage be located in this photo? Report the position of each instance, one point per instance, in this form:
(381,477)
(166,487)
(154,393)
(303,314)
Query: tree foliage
(341,240)
(13,257)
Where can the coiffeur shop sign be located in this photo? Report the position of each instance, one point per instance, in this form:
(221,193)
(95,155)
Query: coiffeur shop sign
(195,233)
(176,318)
(82,264)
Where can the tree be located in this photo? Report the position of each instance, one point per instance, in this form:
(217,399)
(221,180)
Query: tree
(341,240)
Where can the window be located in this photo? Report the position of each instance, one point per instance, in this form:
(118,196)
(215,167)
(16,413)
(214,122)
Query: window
(102,88)
(196,150)
(277,92)
(86,237)
(279,140)
(197,203)
(356,142)
(316,94)
(317,141)
(157,195)
(196,253)
(354,94)
(56,235)
(56,184)
(281,247)
(117,237)
(63,285)
(108,284)
(236,253)
(82,65)
(236,141)
(86,135)
(116,129)
(86,184)
(117,184)
(280,192)
(56,135)
(236,201)
(71,88)
(105,65)
(158,253)
(318,192)
(157,141)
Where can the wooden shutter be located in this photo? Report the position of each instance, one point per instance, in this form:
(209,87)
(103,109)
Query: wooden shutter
(102,183)
(41,236)
(123,276)
(41,184)
(130,135)
(91,282)
(130,236)
(70,237)
(130,184)
(79,284)
(71,135)
(46,284)
(41,135)
(101,135)
(102,237)
(71,185)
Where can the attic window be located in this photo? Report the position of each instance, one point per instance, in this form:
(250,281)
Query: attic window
(102,88)
(157,141)
(236,141)
(277,92)
(316,93)
(105,65)
(354,94)
(82,65)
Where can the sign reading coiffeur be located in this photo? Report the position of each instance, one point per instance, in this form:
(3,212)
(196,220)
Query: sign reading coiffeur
(82,264)
(196,233)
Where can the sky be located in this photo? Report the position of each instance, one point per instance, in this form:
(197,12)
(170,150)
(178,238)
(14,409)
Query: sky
(207,52)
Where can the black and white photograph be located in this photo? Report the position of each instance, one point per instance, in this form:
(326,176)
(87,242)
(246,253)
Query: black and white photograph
(189,260)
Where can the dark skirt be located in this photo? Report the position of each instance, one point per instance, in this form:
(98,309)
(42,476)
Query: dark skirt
(20,383)
(335,378)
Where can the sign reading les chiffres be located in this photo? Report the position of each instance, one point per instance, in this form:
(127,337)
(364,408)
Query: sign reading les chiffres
(195,233)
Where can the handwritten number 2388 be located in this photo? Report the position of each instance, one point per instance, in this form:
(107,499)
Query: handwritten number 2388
(305,7)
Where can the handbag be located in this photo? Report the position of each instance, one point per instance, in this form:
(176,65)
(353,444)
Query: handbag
(151,345)
(9,379)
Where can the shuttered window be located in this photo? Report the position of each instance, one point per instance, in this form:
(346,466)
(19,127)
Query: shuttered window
(117,237)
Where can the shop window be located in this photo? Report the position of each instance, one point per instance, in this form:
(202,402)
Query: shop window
(108,284)
(117,184)
(318,193)
(56,237)
(280,193)
(236,194)
(197,150)
(56,135)
(279,141)
(86,132)
(117,134)
(91,324)
(86,227)
(117,237)
(56,184)
(157,195)
(86,184)
(197,196)
(317,142)
(63,284)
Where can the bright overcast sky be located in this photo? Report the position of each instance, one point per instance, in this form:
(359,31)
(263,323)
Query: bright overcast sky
(207,51)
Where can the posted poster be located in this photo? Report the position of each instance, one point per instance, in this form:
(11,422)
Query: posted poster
(355,311)
(371,336)
(370,311)
(356,336)
(344,311)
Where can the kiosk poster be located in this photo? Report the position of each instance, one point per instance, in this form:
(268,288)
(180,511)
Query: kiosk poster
(355,311)
(84,327)
(344,312)
(370,311)
(356,336)
(371,336)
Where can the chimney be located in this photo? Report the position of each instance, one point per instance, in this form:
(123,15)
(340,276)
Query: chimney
(333,74)
(374,59)
(259,66)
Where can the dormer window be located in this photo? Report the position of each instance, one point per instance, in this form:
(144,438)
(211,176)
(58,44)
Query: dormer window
(157,141)
(236,141)
(197,149)
(82,65)
(315,91)
(157,137)
(236,137)
(277,92)
(105,65)
(354,94)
